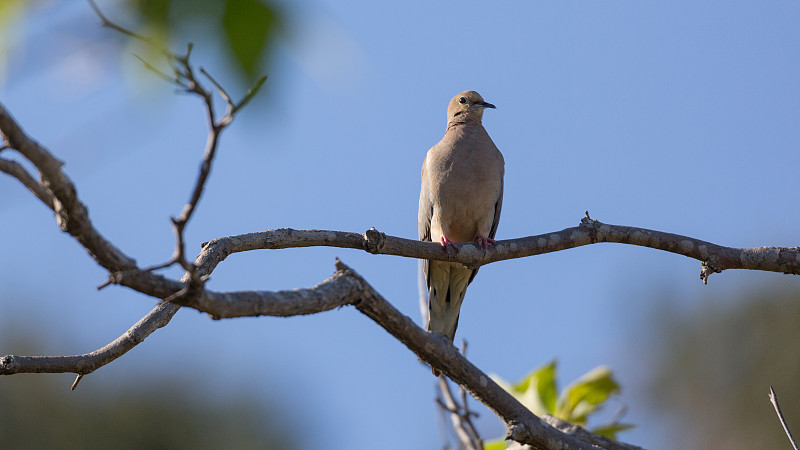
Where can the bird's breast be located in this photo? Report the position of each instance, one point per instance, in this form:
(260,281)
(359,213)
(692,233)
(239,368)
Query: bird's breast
(465,195)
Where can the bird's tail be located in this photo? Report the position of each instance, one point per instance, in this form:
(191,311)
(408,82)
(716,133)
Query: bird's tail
(448,285)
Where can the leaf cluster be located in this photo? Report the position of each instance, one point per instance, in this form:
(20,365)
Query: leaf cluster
(538,391)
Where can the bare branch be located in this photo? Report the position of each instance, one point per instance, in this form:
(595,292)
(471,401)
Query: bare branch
(521,424)
(71,215)
(584,435)
(77,380)
(345,287)
(89,362)
(251,303)
(771,259)
(222,305)
(249,95)
(334,292)
(459,417)
(184,76)
(14,169)
(152,68)
(221,90)
(773,397)
(109,24)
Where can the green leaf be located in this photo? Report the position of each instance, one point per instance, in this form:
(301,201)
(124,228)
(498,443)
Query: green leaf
(610,430)
(495,444)
(583,396)
(537,391)
(249,25)
(246,29)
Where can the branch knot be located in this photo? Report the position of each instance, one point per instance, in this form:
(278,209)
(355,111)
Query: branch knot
(374,241)
(517,431)
(709,267)
(590,225)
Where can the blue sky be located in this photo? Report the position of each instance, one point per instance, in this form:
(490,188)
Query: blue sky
(678,116)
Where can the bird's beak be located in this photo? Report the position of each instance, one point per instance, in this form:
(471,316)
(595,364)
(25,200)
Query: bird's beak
(486,105)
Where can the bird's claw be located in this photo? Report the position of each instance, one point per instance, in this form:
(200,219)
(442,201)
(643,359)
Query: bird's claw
(447,243)
(484,242)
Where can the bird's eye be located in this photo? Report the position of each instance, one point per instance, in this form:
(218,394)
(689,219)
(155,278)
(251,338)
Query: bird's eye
(462,100)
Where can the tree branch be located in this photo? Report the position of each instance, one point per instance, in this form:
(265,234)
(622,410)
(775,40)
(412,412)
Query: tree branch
(16,170)
(460,417)
(345,287)
(89,362)
(773,398)
(717,257)
(71,215)
(184,76)
(521,424)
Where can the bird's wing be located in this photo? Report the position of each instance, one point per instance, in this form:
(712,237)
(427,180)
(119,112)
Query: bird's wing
(424,218)
(493,230)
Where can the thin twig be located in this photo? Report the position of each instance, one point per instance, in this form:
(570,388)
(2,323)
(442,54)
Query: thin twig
(249,95)
(109,24)
(176,295)
(160,266)
(89,362)
(77,380)
(774,399)
(152,68)
(459,418)
(222,92)
(184,76)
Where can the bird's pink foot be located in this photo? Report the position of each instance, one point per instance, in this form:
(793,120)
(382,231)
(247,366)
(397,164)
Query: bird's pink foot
(447,243)
(484,242)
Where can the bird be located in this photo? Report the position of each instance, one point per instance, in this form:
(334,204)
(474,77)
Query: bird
(460,201)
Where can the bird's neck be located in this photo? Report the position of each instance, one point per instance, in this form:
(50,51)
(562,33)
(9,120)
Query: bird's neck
(462,122)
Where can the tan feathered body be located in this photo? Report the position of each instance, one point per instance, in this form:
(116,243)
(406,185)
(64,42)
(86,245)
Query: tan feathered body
(460,199)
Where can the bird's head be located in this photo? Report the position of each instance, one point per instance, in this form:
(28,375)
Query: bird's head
(466,107)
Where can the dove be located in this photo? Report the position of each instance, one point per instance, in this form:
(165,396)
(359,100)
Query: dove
(459,201)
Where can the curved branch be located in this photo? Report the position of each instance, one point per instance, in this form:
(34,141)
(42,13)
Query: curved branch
(89,362)
(308,301)
(71,214)
(16,170)
(715,257)
(249,303)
